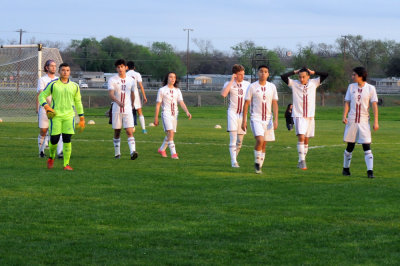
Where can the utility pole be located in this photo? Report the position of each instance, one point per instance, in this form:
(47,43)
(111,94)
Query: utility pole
(187,59)
(20,35)
(19,55)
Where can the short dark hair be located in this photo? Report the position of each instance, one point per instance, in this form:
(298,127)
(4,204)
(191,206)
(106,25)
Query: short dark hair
(165,81)
(263,66)
(237,68)
(304,69)
(47,64)
(120,62)
(63,65)
(361,72)
(131,65)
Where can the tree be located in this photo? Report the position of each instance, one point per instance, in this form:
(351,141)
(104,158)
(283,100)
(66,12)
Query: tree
(393,67)
(165,60)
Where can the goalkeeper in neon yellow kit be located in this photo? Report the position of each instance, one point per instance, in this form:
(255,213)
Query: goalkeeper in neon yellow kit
(66,96)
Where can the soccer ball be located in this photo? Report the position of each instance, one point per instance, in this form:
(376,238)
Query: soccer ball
(91,122)
(1,120)
(218,126)
(151,124)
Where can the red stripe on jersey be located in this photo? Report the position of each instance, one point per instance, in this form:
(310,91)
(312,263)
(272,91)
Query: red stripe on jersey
(238,104)
(306,105)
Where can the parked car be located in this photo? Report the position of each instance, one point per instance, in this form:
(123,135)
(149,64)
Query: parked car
(84,86)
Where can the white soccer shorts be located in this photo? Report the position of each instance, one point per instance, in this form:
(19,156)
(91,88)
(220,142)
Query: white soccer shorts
(263,128)
(119,120)
(235,122)
(137,103)
(169,122)
(305,126)
(360,132)
(43,121)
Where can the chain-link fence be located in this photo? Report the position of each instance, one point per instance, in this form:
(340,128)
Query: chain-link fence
(20,68)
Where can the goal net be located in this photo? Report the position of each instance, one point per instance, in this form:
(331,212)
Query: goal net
(20,68)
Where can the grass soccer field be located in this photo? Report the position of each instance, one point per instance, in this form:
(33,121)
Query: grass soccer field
(199,210)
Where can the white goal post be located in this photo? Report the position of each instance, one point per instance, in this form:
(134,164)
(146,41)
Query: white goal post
(20,68)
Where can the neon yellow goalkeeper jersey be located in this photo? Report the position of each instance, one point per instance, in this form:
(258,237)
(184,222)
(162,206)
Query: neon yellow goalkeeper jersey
(65,97)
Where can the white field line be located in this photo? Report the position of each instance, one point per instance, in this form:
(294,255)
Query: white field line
(195,143)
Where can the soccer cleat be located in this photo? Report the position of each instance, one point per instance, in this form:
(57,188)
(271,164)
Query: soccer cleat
(60,155)
(175,156)
(163,153)
(118,156)
(144,131)
(68,168)
(235,165)
(370,174)
(346,171)
(134,155)
(50,163)
(302,165)
(257,168)
(42,155)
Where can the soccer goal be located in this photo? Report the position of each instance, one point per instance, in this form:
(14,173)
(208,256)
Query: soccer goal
(20,68)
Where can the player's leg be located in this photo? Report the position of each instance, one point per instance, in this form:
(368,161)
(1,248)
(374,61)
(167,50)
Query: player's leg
(43,122)
(364,137)
(171,144)
(306,139)
(300,149)
(67,150)
(239,143)
(60,148)
(141,120)
(258,132)
(347,158)
(369,160)
(127,122)
(269,135)
(232,148)
(117,125)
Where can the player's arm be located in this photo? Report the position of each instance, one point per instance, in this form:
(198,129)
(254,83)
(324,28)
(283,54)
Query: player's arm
(245,109)
(345,111)
(143,93)
(322,75)
(43,102)
(285,77)
(37,102)
(79,108)
(275,111)
(375,110)
(183,106)
(225,91)
(133,95)
(114,99)
(157,111)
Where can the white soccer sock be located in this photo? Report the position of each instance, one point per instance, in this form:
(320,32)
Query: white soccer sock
(257,157)
(369,159)
(305,150)
(347,159)
(46,140)
(41,143)
(171,146)
(117,146)
(239,143)
(164,145)
(232,146)
(262,159)
(300,150)
(142,123)
(132,145)
(60,146)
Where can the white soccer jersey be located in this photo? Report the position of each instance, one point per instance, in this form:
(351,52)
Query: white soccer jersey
(304,97)
(42,83)
(359,99)
(261,98)
(135,75)
(122,91)
(169,99)
(236,96)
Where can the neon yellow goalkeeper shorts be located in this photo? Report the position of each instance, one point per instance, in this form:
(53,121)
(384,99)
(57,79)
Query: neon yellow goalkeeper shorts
(60,125)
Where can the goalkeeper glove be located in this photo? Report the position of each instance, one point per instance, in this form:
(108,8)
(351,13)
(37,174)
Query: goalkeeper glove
(81,124)
(49,111)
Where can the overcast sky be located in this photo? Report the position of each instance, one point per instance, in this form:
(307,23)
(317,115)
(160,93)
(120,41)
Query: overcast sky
(269,23)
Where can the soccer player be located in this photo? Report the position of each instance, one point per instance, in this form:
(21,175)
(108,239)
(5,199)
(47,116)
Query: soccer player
(358,97)
(236,88)
(121,91)
(304,92)
(263,98)
(66,96)
(137,104)
(168,97)
(50,68)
